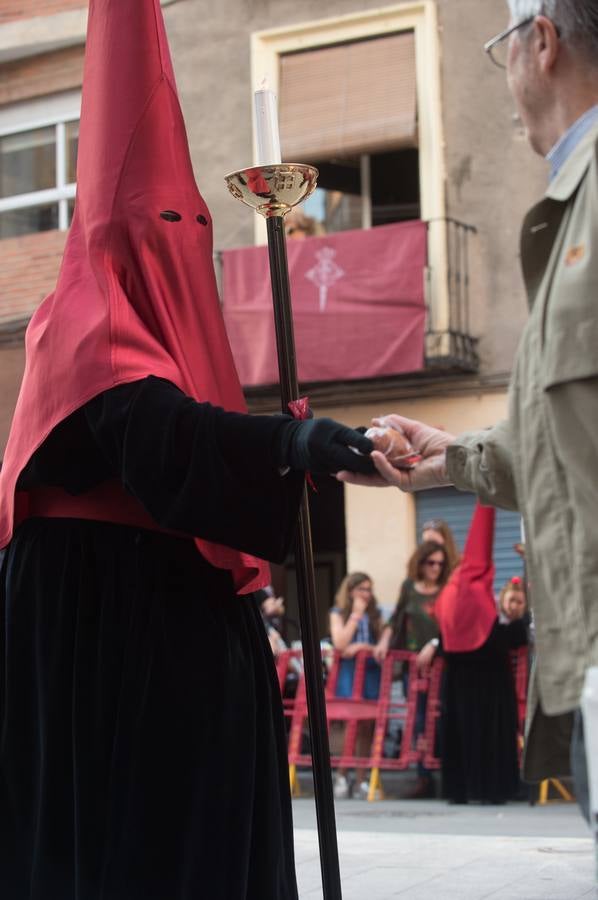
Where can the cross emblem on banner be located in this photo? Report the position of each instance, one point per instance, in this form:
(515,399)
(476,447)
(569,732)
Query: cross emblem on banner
(325,273)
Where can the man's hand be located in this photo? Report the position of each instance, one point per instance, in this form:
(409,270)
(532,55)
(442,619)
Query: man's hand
(430,443)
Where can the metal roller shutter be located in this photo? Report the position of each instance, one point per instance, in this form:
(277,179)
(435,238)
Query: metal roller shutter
(456,508)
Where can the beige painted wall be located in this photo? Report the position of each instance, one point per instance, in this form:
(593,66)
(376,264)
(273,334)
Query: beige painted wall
(381,523)
(492,176)
(12,363)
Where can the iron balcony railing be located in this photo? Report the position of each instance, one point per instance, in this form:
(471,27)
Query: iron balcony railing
(449,341)
(450,346)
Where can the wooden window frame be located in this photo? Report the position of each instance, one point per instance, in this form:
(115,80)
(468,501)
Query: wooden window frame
(421,18)
(32,115)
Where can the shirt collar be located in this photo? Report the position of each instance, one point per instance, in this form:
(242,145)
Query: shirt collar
(567,143)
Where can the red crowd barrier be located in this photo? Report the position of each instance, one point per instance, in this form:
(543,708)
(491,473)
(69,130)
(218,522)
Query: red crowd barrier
(398,670)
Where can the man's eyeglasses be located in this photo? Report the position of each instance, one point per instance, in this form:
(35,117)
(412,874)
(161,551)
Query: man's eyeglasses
(497,48)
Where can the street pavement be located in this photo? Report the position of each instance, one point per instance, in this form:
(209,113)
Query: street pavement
(428,850)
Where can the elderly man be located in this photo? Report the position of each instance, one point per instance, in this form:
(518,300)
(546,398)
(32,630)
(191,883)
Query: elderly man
(543,460)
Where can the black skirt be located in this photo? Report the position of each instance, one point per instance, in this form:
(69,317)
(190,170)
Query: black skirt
(479,721)
(142,752)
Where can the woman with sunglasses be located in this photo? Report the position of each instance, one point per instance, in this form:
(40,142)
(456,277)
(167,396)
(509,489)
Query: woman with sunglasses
(413,626)
(438,530)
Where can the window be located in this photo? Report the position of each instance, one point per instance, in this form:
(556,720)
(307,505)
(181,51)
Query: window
(366,190)
(38,158)
(283,53)
(350,109)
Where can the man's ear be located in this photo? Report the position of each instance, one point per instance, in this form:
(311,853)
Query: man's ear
(546,43)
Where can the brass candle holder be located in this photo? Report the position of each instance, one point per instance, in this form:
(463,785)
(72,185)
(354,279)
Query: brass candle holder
(273,190)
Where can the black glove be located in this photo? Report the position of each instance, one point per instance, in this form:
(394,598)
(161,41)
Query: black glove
(323,446)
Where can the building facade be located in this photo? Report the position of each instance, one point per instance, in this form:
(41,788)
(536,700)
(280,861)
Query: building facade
(407,121)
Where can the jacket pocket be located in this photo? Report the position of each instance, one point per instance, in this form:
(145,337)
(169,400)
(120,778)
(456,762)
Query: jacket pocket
(571,349)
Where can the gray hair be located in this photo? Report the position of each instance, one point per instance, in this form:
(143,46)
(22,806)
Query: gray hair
(577,20)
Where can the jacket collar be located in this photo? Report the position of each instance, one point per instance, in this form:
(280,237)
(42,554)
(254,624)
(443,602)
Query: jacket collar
(564,185)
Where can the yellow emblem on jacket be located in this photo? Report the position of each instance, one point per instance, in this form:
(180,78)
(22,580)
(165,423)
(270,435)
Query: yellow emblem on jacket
(575,254)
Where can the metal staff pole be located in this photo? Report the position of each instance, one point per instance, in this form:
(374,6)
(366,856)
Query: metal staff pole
(272,191)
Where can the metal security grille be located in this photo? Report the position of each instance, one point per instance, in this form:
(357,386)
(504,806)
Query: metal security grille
(456,508)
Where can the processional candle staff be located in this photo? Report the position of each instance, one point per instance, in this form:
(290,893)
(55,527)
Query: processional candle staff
(266,127)
(272,188)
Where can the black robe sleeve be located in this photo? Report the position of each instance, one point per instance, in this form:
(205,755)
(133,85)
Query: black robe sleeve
(194,467)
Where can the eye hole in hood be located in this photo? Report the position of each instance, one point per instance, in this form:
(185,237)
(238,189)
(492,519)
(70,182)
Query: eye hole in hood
(202,219)
(170,215)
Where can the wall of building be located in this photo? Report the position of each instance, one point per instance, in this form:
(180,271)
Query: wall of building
(491,178)
(12,361)
(11,10)
(29,270)
(492,175)
(37,76)
(380,523)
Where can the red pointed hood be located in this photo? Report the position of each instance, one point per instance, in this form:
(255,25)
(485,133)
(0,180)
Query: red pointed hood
(466,609)
(136,293)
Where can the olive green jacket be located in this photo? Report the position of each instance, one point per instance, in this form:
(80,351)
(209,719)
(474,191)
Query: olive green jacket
(543,460)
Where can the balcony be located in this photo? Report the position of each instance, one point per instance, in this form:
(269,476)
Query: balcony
(373,310)
(450,346)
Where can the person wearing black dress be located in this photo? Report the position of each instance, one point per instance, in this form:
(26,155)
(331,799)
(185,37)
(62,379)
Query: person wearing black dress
(142,747)
(479,709)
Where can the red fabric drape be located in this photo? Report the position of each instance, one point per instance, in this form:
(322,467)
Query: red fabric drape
(358,305)
(466,608)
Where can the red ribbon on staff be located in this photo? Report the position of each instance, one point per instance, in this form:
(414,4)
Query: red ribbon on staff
(301,410)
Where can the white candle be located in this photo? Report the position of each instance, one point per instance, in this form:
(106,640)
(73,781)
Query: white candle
(266,127)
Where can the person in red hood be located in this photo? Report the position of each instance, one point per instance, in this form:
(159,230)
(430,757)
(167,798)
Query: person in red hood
(142,754)
(479,718)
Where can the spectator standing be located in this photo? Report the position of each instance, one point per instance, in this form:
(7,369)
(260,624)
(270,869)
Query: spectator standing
(298,226)
(355,625)
(479,720)
(413,625)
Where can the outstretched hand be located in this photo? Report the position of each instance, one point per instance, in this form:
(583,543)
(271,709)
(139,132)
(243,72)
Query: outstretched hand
(325,446)
(430,443)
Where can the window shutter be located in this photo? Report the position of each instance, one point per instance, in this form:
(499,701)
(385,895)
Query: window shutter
(348,99)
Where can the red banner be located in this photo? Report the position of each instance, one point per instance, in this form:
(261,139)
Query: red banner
(358,305)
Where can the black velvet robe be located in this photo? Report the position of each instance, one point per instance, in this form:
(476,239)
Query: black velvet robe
(142,751)
(479,720)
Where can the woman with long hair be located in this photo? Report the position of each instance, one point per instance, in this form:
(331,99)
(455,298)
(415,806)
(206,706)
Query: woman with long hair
(412,623)
(440,531)
(355,625)
(479,719)
(413,626)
